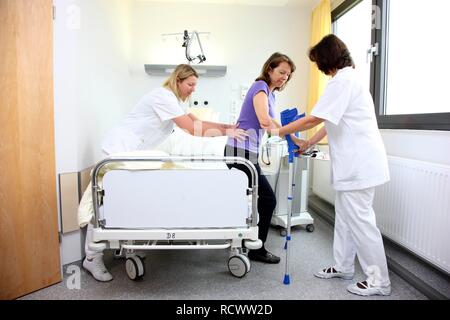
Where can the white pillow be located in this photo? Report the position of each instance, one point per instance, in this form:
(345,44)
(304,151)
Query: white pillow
(181,143)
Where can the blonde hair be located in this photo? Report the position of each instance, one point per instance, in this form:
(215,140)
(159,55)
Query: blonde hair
(181,72)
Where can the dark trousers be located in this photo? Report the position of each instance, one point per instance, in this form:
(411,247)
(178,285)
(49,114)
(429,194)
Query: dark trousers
(266,197)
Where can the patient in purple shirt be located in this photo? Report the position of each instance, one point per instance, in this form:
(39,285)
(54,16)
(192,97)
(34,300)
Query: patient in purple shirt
(257,115)
(248,120)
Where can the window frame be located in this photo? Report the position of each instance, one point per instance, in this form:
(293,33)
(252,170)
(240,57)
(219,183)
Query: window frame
(378,78)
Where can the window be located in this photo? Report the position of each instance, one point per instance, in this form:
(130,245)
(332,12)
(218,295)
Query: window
(406,57)
(357,39)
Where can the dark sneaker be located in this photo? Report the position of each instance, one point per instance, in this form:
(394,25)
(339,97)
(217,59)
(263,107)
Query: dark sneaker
(265,257)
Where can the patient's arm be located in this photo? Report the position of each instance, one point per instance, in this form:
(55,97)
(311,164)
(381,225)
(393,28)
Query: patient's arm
(213,125)
(276,124)
(196,127)
(261,105)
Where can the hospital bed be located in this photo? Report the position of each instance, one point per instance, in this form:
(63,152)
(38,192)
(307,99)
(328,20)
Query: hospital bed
(174,203)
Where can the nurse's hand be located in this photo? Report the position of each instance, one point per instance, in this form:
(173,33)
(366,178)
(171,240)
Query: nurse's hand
(231,126)
(238,134)
(302,144)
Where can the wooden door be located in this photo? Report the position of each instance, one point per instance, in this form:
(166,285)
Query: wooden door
(29,246)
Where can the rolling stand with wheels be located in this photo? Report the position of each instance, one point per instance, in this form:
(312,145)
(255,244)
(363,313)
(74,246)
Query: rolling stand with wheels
(300,215)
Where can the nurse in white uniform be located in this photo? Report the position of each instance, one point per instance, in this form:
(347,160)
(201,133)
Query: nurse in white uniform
(150,122)
(359,164)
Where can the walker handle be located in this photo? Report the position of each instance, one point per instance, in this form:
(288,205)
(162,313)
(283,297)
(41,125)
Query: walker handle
(288,116)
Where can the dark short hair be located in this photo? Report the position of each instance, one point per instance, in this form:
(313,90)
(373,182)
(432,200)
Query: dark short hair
(273,62)
(331,54)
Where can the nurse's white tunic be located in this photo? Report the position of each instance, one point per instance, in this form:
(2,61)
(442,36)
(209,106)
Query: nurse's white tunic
(359,163)
(147,125)
(358,156)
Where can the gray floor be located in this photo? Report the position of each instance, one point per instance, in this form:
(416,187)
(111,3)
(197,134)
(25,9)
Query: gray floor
(176,275)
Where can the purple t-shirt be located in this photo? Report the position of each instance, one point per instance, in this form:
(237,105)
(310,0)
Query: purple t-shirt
(249,121)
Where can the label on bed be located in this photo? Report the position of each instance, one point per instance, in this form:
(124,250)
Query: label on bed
(175,199)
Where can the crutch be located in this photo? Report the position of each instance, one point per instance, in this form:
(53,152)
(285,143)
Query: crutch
(287,117)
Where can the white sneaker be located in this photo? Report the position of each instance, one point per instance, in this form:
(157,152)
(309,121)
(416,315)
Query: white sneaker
(331,272)
(97,268)
(366,289)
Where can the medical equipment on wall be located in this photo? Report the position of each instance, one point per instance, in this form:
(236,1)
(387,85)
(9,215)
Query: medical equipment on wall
(188,40)
(188,43)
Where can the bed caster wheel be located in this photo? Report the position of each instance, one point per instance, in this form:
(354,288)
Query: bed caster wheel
(239,265)
(310,228)
(283,233)
(134,266)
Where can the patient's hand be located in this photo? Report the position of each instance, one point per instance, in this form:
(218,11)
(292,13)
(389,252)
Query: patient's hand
(269,126)
(302,144)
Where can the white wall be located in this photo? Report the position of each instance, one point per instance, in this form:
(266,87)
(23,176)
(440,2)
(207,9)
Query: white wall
(91,52)
(241,37)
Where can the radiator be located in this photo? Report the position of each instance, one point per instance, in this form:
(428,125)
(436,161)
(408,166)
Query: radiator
(413,209)
(321,180)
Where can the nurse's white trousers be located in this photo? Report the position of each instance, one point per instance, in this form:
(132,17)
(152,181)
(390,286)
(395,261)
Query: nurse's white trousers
(356,234)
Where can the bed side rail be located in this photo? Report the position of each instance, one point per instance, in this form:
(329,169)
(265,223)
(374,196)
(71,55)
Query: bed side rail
(96,190)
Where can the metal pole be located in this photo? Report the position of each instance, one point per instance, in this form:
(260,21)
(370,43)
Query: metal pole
(287,279)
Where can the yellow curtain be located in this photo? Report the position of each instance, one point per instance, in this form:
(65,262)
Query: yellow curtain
(320,27)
